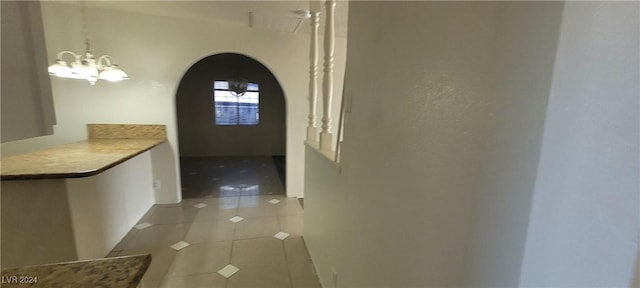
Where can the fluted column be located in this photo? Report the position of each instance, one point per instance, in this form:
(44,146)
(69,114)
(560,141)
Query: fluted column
(327,84)
(312,131)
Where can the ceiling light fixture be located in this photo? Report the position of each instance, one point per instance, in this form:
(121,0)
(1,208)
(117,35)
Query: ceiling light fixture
(86,66)
(238,85)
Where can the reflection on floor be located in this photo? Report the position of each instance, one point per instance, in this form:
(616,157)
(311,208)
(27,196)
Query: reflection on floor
(280,163)
(232,176)
(246,238)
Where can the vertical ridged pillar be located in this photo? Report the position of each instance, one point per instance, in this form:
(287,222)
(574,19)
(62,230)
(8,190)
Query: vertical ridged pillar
(327,84)
(312,131)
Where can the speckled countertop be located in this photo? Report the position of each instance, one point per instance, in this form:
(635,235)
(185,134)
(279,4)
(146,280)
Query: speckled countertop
(108,145)
(74,160)
(118,272)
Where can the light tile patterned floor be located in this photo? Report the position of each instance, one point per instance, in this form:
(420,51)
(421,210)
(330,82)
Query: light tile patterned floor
(215,242)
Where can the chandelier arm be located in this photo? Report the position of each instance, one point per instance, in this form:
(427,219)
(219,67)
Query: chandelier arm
(62,53)
(106,58)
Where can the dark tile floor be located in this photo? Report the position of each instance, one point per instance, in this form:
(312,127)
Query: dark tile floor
(232,176)
(231,215)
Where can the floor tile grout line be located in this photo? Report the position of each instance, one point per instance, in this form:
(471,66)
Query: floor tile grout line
(165,276)
(286,263)
(173,257)
(284,251)
(192,274)
(254,238)
(233,241)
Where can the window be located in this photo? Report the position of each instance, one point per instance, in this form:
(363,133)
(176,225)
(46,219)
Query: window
(232,110)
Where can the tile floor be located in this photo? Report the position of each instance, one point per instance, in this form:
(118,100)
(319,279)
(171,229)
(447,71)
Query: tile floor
(232,176)
(195,244)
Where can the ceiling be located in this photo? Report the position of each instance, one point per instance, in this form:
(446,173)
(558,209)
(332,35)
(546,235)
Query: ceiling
(274,15)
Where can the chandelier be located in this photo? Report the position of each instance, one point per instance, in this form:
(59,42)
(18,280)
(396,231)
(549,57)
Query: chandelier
(238,86)
(86,66)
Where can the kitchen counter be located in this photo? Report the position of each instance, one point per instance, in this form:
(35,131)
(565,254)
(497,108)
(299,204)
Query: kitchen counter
(107,146)
(74,160)
(118,272)
(76,201)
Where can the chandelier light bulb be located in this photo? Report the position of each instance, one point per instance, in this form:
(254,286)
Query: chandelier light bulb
(59,69)
(113,74)
(77,71)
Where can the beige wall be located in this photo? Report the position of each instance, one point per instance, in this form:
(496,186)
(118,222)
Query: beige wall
(156,52)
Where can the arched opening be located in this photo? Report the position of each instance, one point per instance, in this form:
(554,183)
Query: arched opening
(231,144)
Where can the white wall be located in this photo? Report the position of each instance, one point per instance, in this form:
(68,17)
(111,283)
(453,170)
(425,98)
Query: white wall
(156,51)
(106,206)
(321,228)
(525,46)
(636,277)
(585,215)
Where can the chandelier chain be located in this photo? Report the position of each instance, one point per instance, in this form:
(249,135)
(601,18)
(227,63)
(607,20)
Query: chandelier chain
(85,65)
(84,26)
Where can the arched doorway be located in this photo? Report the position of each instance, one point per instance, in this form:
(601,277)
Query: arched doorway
(231,145)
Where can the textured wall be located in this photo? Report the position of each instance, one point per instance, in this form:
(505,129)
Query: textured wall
(524,53)
(431,108)
(197,132)
(585,214)
(495,146)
